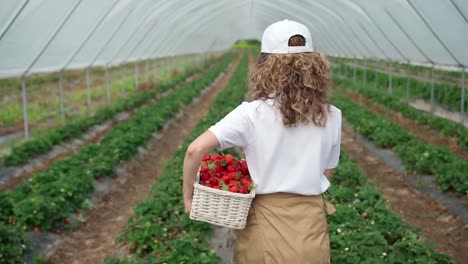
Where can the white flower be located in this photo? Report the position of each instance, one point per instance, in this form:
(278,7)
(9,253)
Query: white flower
(338,230)
(355,195)
(384,254)
(346,249)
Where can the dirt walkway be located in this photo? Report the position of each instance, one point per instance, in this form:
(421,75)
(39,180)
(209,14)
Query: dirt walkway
(421,132)
(436,223)
(94,239)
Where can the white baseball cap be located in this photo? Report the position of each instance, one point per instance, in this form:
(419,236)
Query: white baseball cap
(276,37)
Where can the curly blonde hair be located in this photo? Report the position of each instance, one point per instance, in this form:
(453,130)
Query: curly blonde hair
(298,83)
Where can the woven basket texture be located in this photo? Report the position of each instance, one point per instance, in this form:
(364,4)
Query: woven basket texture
(219,207)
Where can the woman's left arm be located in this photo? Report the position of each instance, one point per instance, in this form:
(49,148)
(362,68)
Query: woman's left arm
(201,146)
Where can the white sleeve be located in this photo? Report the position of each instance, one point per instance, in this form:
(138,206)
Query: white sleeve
(235,129)
(334,157)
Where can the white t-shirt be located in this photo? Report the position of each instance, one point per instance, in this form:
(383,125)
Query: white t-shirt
(282,159)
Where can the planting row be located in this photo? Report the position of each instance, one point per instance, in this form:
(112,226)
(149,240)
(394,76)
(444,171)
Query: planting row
(365,230)
(423,71)
(160,231)
(48,198)
(30,149)
(443,125)
(446,95)
(417,156)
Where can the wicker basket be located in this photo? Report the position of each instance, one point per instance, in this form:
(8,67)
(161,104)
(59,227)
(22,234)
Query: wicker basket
(220,207)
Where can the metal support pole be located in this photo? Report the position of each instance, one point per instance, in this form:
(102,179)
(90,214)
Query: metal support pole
(462,99)
(25,107)
(365,73)
(88,85)
(408,81)
(346,70)
(136,75)
(123,79)
(107,84)
(62,97)
(354,71)
(390,85)
(155,70)
(375,77)
(432,89)
(147,71)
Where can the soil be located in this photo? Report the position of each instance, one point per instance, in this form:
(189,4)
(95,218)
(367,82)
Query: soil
(93,240)
(421,132)
(437,225)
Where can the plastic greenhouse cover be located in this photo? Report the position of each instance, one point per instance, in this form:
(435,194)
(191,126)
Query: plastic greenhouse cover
(48,35)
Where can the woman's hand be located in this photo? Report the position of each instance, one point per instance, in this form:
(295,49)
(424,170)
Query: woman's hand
(205,143)
(188,204)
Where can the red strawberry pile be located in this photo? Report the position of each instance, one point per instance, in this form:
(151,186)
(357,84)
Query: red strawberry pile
(224,172)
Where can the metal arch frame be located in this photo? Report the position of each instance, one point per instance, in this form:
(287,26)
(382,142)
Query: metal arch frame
(460,64)
(112,35)
(462,99)
(169,19)
(70,59)
(146,16)
(215,9)
(332,16)
(215,12)
(338,19)
(36,58)
(424,20)
(391,43)
(12,21)
(100,51)
(166,35)
(360,49)
(313,27)
(343,21)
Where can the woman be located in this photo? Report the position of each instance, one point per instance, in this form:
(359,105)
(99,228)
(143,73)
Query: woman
(291,137)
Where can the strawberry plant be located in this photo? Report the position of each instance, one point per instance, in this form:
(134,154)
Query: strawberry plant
(160,231)
(32,148)
(415,155)
(445,126)
(45,201)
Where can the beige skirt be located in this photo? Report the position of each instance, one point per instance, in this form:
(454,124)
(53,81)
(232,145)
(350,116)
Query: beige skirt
(285,228)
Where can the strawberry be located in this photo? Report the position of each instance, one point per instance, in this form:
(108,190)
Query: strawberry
(226,179)
(204,177)
(234,189)
(206,157)
(37,229)
(217,187)
(212,174)
(219,168)
(244,170)
(66,221)
(231,168)
(243,190)
(58,232)
(204,170)
(214,181)
(232,175)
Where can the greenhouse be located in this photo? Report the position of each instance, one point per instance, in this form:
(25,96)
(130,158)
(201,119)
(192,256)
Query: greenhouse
(104,104)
